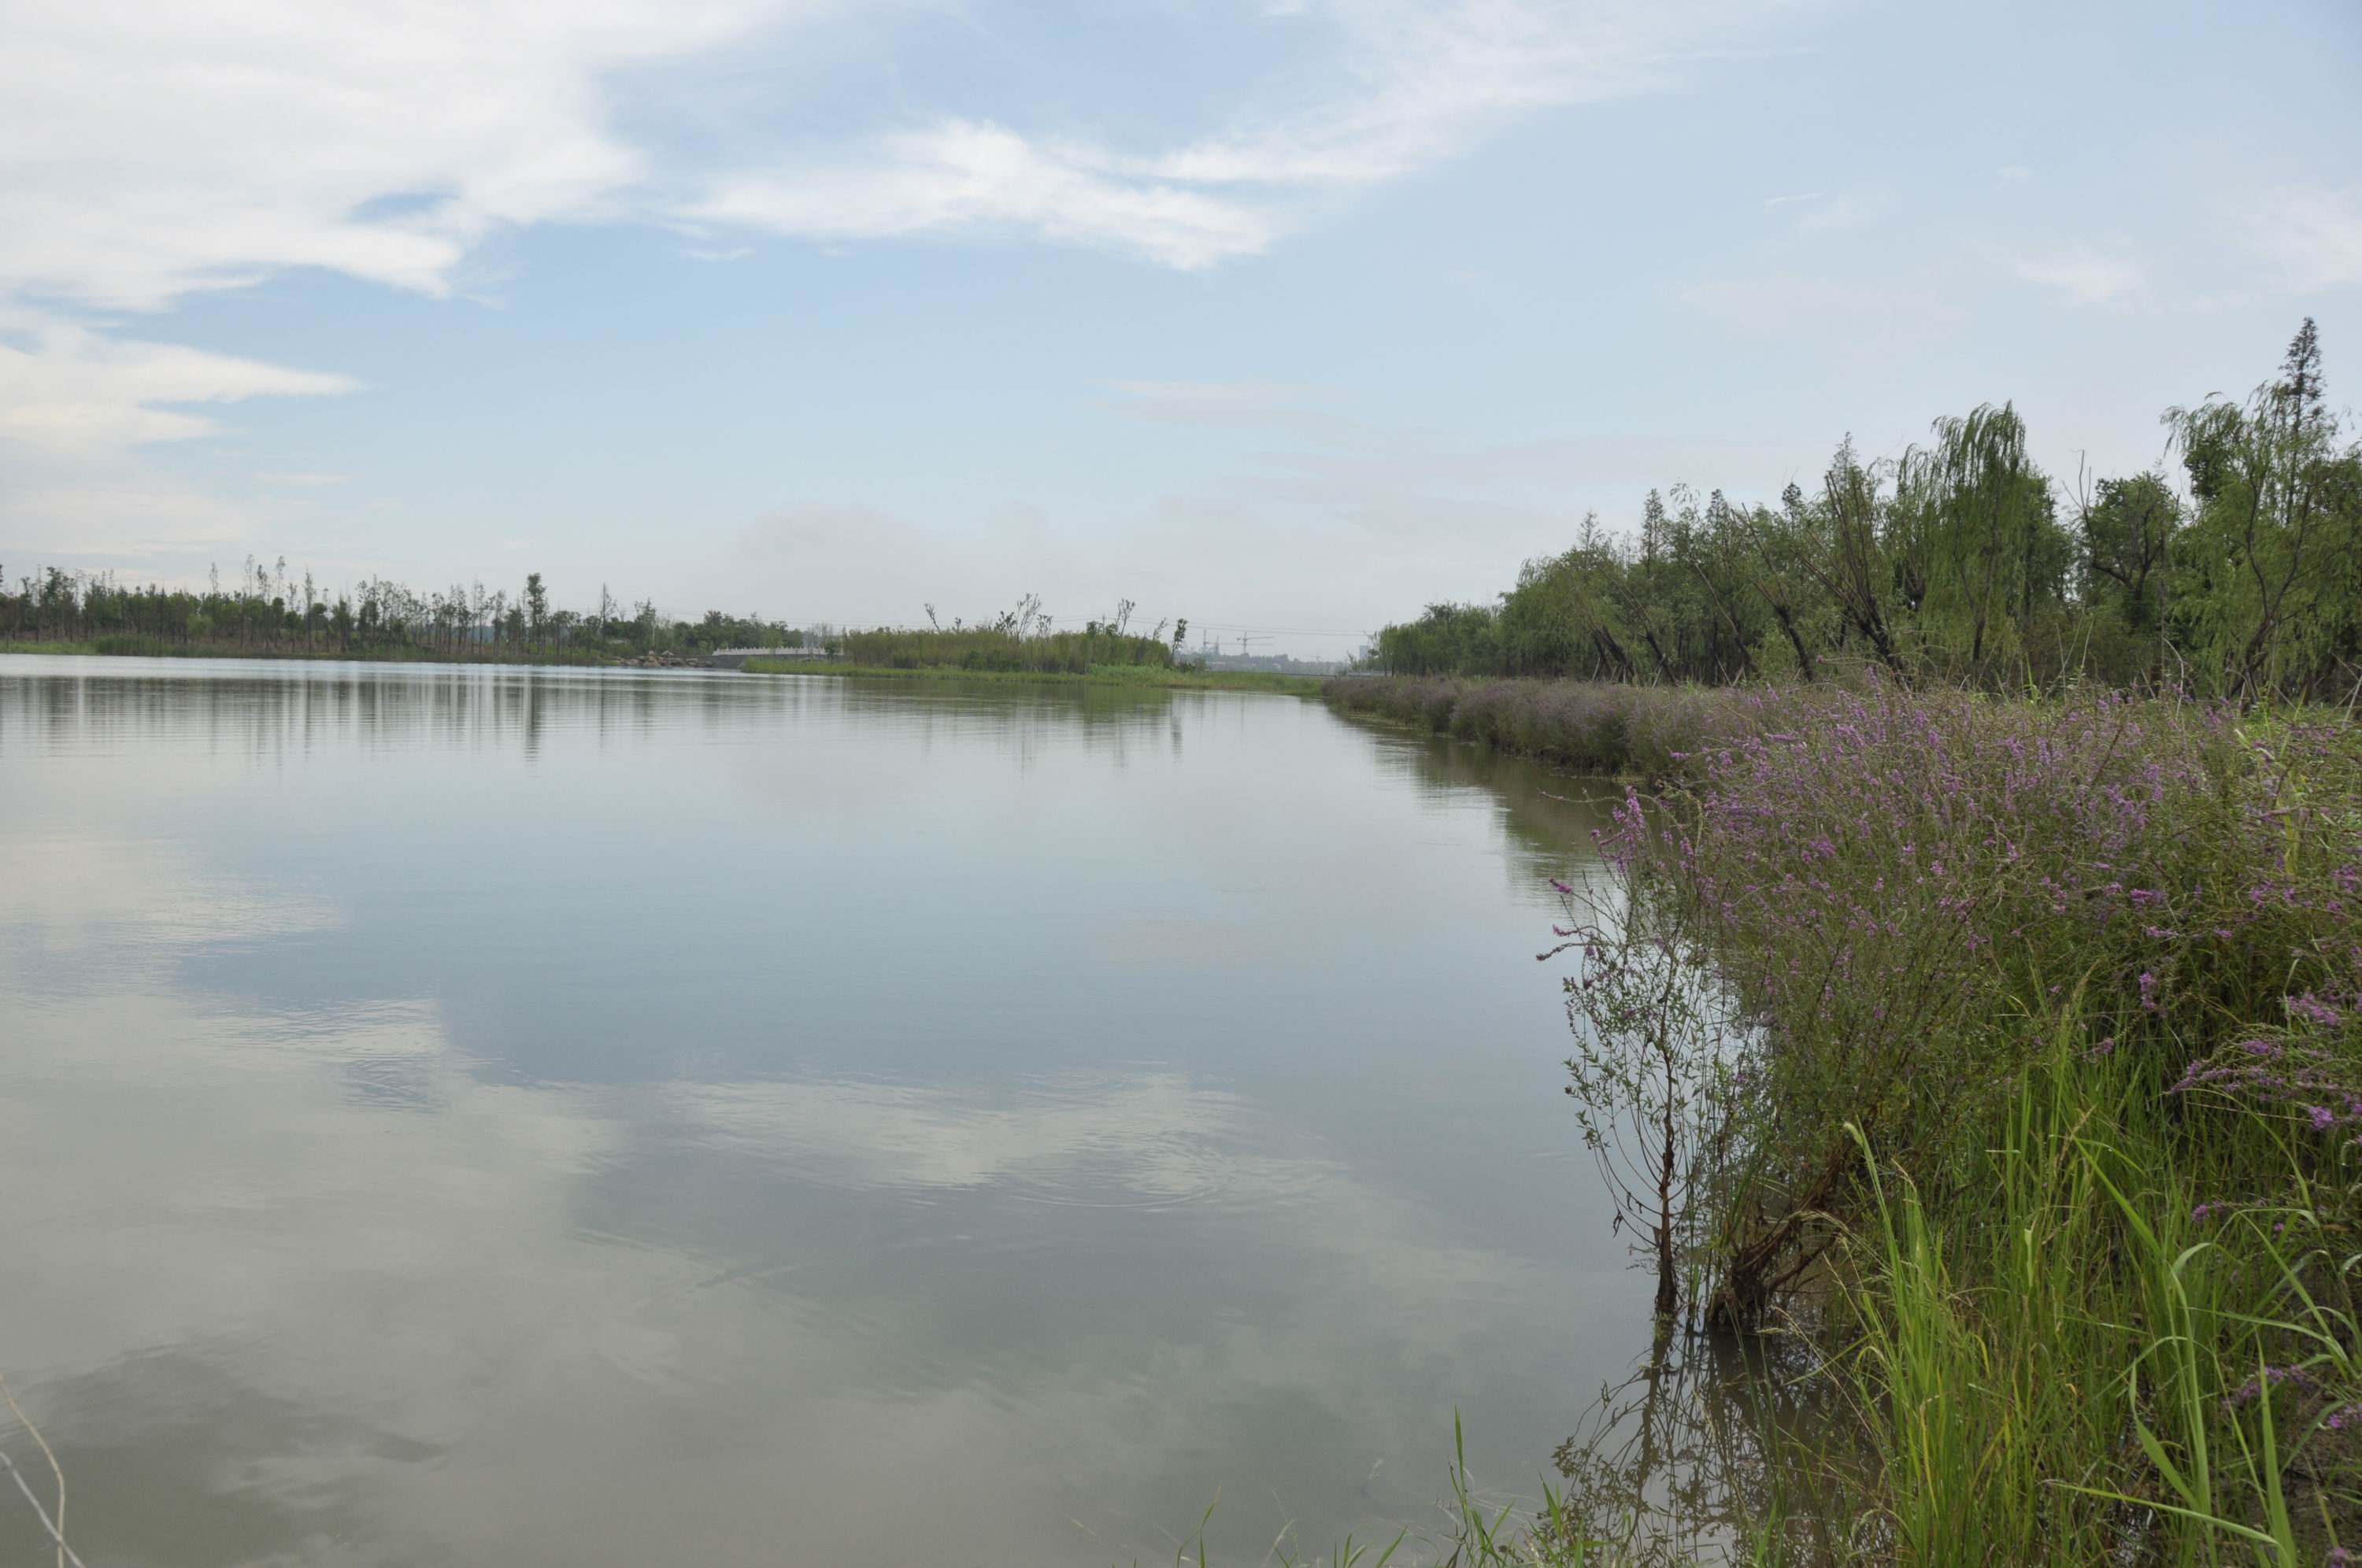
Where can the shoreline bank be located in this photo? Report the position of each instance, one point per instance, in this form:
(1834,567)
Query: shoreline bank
(1147,676)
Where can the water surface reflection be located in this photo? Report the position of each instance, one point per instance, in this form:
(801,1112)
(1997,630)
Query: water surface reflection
(464,1115)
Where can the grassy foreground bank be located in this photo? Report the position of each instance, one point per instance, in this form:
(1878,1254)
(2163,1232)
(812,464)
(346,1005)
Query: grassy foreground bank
(2008,1055)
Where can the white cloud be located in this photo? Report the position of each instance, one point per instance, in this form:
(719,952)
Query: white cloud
(2313,234)
(1401,86)
(75,408)
(146,151)
(72,390)
(977,177)
(147,154)
(2085,275)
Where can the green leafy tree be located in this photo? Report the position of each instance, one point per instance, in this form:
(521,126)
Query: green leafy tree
(2265,575)
(536,606)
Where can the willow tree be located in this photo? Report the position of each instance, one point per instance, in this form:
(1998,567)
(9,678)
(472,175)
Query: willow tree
(1854,558)
(2268,576)
(1986,544)
(1565,617)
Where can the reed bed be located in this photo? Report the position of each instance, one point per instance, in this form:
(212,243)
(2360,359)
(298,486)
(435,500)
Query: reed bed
(1590,727)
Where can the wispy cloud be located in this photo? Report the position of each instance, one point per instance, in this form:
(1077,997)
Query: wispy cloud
(77,410)
(2311,235)
(68,389)
(2294,241)
(1400,86)
(982,179)
(2082,274)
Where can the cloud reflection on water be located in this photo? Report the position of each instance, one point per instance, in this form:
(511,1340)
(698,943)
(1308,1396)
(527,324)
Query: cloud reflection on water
(353,1224)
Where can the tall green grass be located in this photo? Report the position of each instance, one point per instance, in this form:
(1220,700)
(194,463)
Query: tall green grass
(2091,1364)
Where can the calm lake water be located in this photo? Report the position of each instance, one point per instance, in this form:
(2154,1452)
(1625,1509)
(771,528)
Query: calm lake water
(482,1116)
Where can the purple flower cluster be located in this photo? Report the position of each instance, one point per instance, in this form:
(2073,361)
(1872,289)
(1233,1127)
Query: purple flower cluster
(1914,892)
(2247,1393)
(2302,1075)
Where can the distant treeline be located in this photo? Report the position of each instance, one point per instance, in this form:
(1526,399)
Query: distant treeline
(1963,562)
(265,611)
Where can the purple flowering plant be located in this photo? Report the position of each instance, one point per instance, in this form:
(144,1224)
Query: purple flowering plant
(1913,894)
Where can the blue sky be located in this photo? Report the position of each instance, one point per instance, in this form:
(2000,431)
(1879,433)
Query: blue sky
(1288,315)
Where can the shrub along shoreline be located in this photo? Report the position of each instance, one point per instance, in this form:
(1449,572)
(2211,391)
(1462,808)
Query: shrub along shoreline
(2021,1040)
